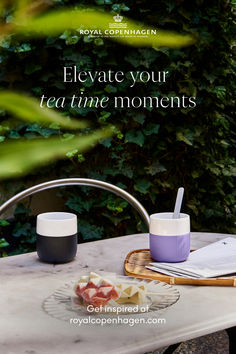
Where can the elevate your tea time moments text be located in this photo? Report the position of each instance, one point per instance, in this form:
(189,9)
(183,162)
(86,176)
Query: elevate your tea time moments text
(72,76)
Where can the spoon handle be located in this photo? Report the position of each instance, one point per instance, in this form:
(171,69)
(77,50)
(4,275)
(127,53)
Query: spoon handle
(178,203)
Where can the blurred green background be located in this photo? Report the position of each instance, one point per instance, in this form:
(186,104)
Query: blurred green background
(154,151)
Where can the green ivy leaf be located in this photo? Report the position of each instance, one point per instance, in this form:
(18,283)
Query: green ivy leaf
(115,204)
(98,41)
(13,135)
(21,210)
(110,89)
(68,136)
(4,222)
(21,229)
(75,204)
(135,137)
(151,129)
(32,68)
(154,168)
(142,186)
(72,153)
(45,132)
(116,219)
(25,47)
(185,139)
(139,118)
(106,142)
(89,231)
(3,243)
(220,92)
(133,59)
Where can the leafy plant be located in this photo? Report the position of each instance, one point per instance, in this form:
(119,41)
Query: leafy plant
(25,21)
(3,242)
(154,151)
(28,109)
(19,157)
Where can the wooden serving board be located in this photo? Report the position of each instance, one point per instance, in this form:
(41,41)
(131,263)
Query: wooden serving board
(136,261)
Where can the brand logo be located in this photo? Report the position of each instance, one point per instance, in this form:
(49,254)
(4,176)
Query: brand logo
(118,18)
(117,24)
(118,28)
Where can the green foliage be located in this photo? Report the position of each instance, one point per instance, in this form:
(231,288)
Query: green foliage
(156,150)
(24,21)
(28,109)
(3,242)
(17,158)
(21,234)
(4,222)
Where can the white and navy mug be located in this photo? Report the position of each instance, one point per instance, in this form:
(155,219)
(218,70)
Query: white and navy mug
(56,237)
(169,238)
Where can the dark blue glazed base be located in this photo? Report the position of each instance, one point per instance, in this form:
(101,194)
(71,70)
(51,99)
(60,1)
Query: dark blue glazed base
(56,249)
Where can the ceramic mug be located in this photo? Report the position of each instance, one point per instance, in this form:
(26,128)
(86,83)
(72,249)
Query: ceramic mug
(56,237)
(169,238)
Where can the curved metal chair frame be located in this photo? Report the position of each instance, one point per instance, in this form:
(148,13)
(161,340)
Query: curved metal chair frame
(82,182)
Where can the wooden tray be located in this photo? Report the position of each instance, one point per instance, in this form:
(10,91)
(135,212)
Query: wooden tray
(136,261)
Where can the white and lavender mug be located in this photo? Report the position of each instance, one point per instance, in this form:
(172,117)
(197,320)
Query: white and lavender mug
(169,238)
(56,237)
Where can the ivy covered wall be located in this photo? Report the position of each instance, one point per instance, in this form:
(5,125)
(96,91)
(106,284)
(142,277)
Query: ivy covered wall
(156,150)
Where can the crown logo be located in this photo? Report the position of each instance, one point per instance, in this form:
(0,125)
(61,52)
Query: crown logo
(118,18)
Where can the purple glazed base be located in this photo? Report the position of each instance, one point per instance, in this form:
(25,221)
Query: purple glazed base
(169,248)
